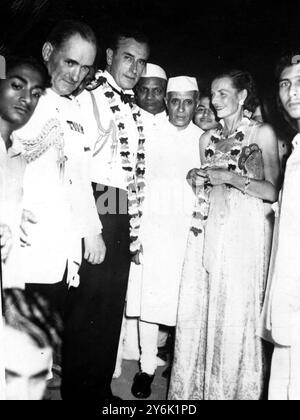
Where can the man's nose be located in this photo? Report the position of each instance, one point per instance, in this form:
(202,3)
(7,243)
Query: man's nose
(181,107)
(75,75)
(25,98)
(293,90)
(150,94)
(133,67)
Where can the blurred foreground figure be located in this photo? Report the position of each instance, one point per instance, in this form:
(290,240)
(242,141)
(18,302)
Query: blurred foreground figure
(31,335)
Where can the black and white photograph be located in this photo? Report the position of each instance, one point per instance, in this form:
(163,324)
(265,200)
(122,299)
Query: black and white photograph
(149,203)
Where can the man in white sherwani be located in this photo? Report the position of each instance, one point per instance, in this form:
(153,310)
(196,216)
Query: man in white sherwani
(151,98)
(166,222)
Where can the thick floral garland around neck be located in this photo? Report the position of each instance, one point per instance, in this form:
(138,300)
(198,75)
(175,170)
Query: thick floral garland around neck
(135,176)
(201,210)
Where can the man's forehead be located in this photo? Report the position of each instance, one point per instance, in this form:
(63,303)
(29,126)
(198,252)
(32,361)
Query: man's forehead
(152,81)
(75,44)
(291,72)
(133,47)
(27,74)
(183,95)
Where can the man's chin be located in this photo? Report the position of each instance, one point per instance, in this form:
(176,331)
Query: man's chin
(63,89)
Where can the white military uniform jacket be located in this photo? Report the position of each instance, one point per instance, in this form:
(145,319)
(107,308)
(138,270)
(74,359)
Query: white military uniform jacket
(106,165)
(57,189)
(154,286)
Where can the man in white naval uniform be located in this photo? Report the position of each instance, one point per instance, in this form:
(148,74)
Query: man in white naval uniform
(166,223)
(57,187)
(102,289)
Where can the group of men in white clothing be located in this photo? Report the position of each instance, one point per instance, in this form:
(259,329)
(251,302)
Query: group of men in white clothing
(106,199)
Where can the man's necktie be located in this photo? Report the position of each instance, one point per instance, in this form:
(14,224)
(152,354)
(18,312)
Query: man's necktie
(125,97)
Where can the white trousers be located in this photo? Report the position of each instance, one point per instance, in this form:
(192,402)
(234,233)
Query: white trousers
(148,342)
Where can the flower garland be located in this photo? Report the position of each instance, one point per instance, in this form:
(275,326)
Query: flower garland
(202,203)
(135,176)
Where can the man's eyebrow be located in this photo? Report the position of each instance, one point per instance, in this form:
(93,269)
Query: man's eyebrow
(25,81)
(16,76)
(128,53)
(41,374)
(12,373)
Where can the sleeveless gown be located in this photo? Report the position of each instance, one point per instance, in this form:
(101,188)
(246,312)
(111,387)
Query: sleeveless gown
(218,355)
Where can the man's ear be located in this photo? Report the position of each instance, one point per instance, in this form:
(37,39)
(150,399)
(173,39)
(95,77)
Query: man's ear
(47,51)
(109,56)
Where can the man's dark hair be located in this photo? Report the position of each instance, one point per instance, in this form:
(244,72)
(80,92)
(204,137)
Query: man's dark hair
(287,60)
(31,314)
(205,92)
(13,61)
(125,33)
(65,29)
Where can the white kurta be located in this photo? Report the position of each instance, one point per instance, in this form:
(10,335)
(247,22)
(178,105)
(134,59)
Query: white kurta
(154,287)
(12,168)
(281,315)
(283,297)
(61,199)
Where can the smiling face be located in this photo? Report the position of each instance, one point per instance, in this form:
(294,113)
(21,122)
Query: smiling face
(128,62)
(19,95)
(151,94)
(204,116)
(289,91)
(69,64)
(181,107)
(226,98)
(26,366)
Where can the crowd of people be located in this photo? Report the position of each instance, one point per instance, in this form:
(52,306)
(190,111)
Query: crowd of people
(132,203)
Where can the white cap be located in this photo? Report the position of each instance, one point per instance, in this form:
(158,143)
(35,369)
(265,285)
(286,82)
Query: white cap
(182,84)
(152,70)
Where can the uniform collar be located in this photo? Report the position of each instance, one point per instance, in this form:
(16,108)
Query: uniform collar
(15,150)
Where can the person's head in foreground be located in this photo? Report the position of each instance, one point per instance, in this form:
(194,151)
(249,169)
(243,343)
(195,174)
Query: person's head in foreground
(25,82)
(151,89)
(205,115)
(182,100)
(288,78)
(32,332)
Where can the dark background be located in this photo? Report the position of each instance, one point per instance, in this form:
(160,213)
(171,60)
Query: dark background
(196,38)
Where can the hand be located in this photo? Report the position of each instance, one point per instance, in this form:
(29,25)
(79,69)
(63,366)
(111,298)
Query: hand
(95,249)
(197,177)
(219,176)
(27,218)
(5,241)
(137,258)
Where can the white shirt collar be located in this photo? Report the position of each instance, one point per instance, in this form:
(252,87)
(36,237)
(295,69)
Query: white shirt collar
(16,149)
(159,116)
(296,141)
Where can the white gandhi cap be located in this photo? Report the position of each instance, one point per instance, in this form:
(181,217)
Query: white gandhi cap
(153,70)
(182,84)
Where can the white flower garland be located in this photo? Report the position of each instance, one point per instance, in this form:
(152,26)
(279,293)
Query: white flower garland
(135,176)
(202,203)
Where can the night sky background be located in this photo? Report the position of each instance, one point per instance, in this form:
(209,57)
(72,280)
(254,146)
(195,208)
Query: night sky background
(196,38)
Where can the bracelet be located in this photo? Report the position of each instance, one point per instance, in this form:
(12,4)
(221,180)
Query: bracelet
(247,183)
